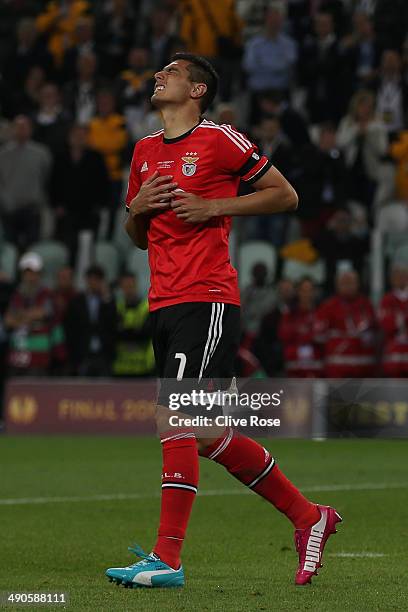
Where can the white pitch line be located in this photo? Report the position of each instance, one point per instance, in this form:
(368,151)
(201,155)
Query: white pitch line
(367,555)
(20,501)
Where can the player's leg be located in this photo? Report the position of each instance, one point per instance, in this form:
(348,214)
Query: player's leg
(252,464)
(161,568)
(188,327)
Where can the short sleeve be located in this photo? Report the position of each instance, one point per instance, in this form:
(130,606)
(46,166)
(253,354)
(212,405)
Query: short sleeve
(238,155)
(134,179)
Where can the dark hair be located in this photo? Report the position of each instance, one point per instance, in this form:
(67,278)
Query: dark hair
(127,274)
(305,279)
(95,270)
(201,71)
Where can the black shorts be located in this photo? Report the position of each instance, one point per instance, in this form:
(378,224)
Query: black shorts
(194,342)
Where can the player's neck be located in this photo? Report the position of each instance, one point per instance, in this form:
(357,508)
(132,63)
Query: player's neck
(177,122)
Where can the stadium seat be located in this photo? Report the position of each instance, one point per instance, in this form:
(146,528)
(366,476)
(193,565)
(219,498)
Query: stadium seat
(233,247)
(393,218)
(8,260)
(401,254)
(137,262)
(296,270)
(106,256)
(120,238)
(252,252)
(393,241)
(55,256)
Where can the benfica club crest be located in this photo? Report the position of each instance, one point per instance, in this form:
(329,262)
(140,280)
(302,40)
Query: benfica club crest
(189,167)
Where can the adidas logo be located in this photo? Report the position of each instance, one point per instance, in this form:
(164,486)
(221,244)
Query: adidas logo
(144,167)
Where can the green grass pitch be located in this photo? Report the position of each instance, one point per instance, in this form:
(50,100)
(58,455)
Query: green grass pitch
(238,553)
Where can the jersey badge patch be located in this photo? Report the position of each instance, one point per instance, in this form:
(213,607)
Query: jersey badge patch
(144,167)
(190,164)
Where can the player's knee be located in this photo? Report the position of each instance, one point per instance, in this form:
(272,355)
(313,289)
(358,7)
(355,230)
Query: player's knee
(202,445)
(162,419)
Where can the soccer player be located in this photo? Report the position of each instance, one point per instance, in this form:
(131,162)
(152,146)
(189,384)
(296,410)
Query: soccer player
(181,196)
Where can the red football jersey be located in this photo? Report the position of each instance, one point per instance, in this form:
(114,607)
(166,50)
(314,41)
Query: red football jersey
(190,262)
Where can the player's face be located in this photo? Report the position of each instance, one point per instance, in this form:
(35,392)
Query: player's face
(173,84)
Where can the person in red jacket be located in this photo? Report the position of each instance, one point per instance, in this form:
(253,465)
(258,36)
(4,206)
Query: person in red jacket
(393,319)
(303,358)
(346,326)
(36,345)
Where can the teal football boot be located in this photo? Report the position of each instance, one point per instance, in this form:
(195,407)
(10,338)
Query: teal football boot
(150,572)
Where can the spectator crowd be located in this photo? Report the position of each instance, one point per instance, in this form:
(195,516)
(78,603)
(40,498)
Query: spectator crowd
(321,86)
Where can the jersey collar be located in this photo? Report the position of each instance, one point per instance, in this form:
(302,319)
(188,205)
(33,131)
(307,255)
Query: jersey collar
(182,136)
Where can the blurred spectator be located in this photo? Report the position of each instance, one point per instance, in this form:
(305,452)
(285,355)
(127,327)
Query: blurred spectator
(135,86)
(363,140)
(58,24)
(332,166)
(339,247)
(360,54)
(302,355)
(51,120)
(24,172)
(226,112)
(64,292)
(84,44)
(319,71)
(91,327)
(26,100)
(270,58)
(210,28)
(257,299)
(392,92)
(399,151)
(142,121)
(292,123)
(5,294)
(273,143)
(36,338)
(336,8)
(346,328)
(252,13)
(159,37)
(27,53)
(393,319)
(80,94)
(390,19)
(115,30)
(320,175)
(108,136)
(267,346)
(213,29)
(134,350)
(79,188)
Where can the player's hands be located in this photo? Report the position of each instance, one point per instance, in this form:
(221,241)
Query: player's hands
(154,195)
(193,209)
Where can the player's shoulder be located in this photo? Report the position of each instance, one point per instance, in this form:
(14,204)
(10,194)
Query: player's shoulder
(227,133)
(149,139)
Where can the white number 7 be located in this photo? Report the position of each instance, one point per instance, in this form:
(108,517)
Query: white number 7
(183,361)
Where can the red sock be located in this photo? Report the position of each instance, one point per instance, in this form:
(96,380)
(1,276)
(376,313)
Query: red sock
(179,488)
(253,466)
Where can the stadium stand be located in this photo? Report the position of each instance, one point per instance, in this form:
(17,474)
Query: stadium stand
(327,123)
